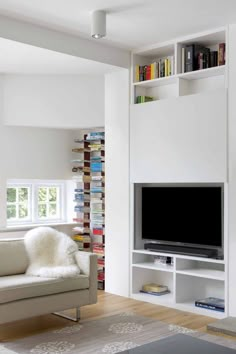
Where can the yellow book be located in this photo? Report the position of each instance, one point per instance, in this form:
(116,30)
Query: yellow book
(169,67)
(152,71)
(136,73)
(166,67)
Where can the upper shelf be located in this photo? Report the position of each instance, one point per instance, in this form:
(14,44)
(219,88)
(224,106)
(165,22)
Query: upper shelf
(193,75)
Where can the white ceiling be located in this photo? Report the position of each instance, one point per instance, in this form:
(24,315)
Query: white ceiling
(130,23)
(20,58)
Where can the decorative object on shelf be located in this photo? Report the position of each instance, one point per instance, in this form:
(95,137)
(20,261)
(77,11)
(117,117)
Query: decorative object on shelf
(155,289)
(89,198)
(163,260)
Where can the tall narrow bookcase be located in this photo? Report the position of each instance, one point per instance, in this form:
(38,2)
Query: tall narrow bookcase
(89,197)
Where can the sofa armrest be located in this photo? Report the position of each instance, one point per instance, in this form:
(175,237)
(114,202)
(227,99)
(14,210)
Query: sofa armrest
(87,263)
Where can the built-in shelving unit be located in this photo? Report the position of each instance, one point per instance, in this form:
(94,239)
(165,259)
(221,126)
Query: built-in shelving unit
(188,278)
(179,83)
(171,141)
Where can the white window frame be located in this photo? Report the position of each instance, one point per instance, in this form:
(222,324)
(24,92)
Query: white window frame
(29,218)
(59,203)
(34,185)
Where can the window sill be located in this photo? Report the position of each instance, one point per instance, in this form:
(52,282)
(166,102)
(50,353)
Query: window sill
(26,227)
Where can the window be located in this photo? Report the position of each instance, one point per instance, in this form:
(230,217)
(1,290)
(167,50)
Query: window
(18,203)
(48,202)
(34,202)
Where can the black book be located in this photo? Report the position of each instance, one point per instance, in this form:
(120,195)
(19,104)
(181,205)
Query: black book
(206,63)
(192,56)
(211,303)
(213,59)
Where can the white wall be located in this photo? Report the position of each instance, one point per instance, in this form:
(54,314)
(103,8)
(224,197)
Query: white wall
(117,182)
(232,168)
(59,101)
(32,153)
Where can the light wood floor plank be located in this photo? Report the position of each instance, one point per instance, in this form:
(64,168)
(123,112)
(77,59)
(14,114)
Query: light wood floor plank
(107,305)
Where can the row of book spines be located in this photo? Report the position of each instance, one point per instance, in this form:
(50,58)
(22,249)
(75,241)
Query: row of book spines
(197,57)
(162,68)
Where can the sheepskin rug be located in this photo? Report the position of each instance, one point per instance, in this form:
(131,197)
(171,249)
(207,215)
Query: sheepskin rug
(51,253)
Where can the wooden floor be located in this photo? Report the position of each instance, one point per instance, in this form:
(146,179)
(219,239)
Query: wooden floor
(107,305)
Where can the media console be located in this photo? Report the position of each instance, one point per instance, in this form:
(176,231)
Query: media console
(185,250)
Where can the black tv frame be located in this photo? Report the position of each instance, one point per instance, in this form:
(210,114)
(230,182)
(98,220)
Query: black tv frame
(217,251)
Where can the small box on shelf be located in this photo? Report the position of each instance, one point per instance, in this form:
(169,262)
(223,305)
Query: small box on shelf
(155,289)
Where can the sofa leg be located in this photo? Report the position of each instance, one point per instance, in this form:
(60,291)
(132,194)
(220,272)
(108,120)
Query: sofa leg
(75,319)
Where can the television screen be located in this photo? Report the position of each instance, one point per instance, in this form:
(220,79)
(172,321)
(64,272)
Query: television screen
(187,215)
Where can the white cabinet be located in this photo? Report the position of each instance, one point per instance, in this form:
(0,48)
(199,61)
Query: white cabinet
(180,139)
(188,279)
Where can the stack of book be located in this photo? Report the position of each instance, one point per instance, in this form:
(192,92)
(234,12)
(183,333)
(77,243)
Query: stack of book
(95,136)
(197,57)
(160,68)
(211,303)
(155,289)
(83,241)
(143,99)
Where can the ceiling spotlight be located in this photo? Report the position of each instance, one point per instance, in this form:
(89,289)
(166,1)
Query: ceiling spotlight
(98,24)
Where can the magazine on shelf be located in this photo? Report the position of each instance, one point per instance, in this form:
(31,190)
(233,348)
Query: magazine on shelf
(155,293)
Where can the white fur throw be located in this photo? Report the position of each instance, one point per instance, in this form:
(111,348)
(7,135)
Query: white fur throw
(51,253)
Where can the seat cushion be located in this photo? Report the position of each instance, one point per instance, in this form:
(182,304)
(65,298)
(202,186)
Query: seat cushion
(17,287)
(13,257)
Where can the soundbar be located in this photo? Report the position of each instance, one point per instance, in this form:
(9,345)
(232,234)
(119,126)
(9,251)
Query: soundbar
(185,250)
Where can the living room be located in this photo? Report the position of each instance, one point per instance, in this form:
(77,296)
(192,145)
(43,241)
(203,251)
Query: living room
(58,85)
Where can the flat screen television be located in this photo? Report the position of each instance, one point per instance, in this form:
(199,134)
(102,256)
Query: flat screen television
(185,215)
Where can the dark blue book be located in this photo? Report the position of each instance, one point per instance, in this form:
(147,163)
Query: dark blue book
(211,303)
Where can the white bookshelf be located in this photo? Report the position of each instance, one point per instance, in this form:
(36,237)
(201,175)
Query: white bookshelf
(188,279)
(172,86)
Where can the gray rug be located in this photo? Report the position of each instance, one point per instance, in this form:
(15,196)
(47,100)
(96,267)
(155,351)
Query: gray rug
(109,335)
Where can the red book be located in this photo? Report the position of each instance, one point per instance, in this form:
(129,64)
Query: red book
(148,72)
(98,231)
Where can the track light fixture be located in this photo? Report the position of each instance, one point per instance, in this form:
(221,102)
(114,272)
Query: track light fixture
(98,24)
